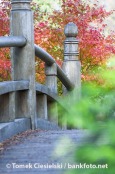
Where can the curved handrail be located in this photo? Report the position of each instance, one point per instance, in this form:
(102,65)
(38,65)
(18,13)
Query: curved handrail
(11,86)
(40,88)
(43,89)
(48,59)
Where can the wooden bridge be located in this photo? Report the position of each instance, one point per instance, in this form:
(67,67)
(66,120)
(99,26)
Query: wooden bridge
(25,104)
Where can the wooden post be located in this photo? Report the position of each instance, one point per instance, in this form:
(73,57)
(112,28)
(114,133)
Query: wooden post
(23,59)
(7,111)
(41,106)
(51,83)
(71,64)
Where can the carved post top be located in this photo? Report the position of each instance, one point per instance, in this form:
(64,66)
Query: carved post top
(71,30)
(20,1)
(71,42)
(21,4)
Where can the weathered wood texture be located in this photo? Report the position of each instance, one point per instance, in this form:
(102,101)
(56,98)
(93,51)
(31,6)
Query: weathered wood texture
(11,86)
(7,98)
(23,98)
(71,65)
(23,59)
(9,129)
(51,83)
(40,88)
(12,41)
(41,106)
(48,59)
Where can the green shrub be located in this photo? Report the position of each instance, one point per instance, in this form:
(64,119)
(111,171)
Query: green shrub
(95,113)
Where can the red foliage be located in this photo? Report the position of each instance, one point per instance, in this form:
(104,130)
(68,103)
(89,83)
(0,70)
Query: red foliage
(5,64)
(94,46)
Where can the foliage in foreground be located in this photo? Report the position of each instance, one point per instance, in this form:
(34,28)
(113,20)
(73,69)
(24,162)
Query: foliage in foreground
(94,112)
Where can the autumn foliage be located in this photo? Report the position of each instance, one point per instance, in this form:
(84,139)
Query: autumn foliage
(5,64)
(94,45)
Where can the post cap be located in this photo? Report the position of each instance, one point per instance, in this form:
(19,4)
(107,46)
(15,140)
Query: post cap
(71,30)
(21,5)
(21,1)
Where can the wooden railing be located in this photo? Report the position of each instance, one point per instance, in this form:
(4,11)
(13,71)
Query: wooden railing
(23,102)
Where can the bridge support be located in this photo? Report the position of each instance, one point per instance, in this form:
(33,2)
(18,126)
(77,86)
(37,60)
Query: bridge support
(25,104)
(41,106)
(71,65)
(51,83)
(23,59)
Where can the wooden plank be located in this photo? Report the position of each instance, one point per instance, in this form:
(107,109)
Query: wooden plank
(11,86)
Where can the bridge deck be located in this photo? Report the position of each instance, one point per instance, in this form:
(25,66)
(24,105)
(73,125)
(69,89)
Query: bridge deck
(42,147)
